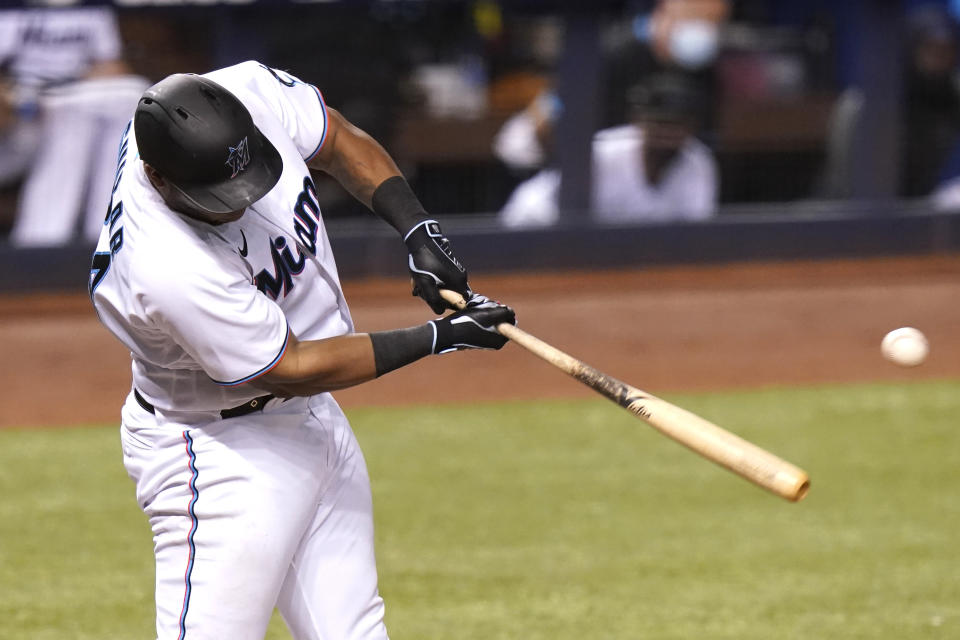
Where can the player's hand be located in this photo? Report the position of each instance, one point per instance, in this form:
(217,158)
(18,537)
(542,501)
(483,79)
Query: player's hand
(433,265)
(473,328)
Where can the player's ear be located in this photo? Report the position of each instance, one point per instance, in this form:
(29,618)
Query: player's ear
(154,176)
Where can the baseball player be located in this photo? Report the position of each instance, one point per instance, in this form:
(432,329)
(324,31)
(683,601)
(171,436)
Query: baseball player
(72,94)
(215,270)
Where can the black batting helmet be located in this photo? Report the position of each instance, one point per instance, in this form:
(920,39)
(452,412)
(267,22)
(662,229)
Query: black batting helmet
(202,140)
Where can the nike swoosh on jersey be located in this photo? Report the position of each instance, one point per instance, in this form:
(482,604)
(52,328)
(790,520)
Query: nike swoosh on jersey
(244,249)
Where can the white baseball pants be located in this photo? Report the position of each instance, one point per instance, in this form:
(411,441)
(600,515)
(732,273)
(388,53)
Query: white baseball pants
(73,170)
(271,509)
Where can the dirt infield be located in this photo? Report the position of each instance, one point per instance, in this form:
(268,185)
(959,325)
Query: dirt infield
(663,330)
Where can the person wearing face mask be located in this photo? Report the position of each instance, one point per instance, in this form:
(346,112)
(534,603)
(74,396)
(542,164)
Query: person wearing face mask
(685,33)
(679,36)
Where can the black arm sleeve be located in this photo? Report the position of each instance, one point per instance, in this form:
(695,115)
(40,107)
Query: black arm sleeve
(399,347)
(395,202)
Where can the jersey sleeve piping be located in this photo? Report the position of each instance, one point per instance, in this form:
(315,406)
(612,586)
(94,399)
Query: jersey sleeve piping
(326,125)
(266,369)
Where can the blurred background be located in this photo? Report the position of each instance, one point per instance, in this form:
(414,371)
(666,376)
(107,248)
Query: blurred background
(571,134)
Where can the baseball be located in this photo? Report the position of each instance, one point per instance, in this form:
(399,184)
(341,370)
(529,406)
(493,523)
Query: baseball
(906,347)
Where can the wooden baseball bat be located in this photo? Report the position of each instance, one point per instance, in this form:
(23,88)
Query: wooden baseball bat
(702,436)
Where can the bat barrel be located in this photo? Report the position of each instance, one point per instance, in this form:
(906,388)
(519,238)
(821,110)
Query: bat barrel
(698,434)
(722,447)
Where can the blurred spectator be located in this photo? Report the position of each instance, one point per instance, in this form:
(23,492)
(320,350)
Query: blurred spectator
(524,140)
(70,95)
(931,98)
(686,32)
(652,170)
(930,115)
(677,35)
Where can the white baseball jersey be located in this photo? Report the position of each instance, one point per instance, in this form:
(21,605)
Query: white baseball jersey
(205,308)
(50,46)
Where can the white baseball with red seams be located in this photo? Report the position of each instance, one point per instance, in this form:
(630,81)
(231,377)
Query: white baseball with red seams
(906,346)
(268,509)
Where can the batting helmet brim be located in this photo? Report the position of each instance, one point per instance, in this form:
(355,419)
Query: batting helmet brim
(237,193)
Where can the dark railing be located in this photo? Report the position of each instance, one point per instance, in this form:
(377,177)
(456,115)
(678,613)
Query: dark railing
(365,247)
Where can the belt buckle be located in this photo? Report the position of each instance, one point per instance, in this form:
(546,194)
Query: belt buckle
(257,404)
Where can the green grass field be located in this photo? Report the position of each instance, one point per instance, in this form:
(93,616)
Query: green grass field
(561,520)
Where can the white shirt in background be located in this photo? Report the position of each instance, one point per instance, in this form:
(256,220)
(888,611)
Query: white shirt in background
(620,190)
(45,47)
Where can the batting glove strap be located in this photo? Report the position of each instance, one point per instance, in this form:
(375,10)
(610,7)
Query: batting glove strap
(472,328)
(433,264)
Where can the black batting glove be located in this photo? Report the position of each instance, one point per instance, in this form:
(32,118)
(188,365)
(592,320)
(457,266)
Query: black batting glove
(433,265)
(473,328)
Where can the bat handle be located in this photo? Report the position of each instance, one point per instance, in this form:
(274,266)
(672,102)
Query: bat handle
(458,302)
(453,298)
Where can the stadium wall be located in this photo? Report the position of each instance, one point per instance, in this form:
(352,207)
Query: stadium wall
(367,248)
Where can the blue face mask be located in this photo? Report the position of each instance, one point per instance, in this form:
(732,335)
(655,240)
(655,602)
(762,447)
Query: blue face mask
(692,44)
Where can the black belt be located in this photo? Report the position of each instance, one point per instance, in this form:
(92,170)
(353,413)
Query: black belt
(256,404)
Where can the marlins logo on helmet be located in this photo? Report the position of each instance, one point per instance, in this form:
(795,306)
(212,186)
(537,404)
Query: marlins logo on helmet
(239,157)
